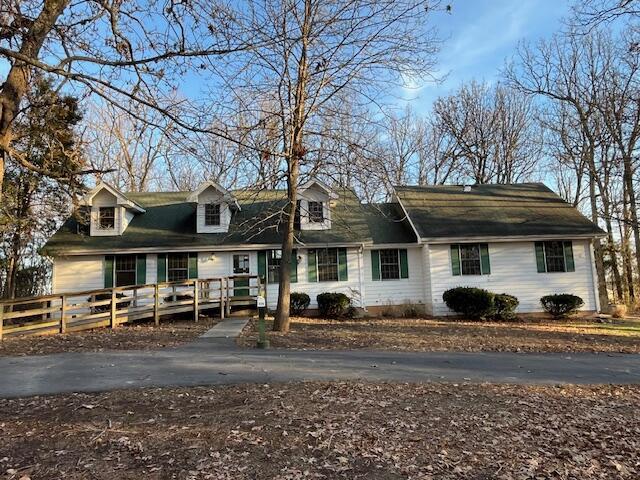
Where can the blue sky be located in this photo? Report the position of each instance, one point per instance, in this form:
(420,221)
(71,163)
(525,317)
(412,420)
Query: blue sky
(479,35)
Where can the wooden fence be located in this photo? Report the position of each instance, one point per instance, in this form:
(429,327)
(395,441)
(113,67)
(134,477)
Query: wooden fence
(109,307)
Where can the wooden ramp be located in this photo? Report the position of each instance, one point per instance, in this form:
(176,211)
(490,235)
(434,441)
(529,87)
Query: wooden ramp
(110,307)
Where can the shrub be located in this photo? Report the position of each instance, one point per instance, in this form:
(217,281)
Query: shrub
(505,306)
(298,302)
(474,303)
(333,305)
(562,304)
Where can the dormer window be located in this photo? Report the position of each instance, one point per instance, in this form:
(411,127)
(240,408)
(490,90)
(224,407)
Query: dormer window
(107,216)
(212,214)
(316,213)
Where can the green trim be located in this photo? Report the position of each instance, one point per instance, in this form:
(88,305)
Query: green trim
(162,268)
(375,265)
(455,260)
(404,263)
(193,265)
(109,261)
(569,263)
(540,259)
(312,270)
(485,263)
(294,266)
(343,268)
(262,266)
(141,269)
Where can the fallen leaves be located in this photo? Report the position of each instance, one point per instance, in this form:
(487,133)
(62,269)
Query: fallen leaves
(327,431)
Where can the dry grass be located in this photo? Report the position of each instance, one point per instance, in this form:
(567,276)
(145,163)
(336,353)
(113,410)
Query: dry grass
(138,336)
(441,335)
(326,431)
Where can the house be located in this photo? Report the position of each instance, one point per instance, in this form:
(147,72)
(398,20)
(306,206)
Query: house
(520,239)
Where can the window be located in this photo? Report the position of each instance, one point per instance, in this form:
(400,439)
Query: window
(241,264)
(107,218)
(212,215)
(177,267)
(316,213)
(389,264)
(470,259)
(125,270)
(555,256)
(327,262)
(273,265)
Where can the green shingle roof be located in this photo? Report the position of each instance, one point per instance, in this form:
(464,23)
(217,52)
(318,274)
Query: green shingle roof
(169,221)
(388,224)
(526,209)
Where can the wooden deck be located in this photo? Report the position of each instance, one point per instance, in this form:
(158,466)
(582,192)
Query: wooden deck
(110,307)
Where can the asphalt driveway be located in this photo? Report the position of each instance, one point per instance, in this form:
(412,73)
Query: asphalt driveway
(215,360)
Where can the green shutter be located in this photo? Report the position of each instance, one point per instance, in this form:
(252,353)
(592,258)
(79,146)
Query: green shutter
(141,269)
(569,263)
(294,265)
(404,263)
(312,274)
(193,265)
(455,259)
(375,264)
(262,266)
(343,271)
(108,271)
(485,264)
(162,268)
(542,266)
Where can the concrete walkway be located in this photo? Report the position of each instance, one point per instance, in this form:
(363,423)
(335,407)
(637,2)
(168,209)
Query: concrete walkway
(214,359)
(229,328)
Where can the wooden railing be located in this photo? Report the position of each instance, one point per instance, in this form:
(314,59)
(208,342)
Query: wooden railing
(110,307)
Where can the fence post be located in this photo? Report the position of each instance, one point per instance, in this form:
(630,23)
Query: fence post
(156,304)
(112,320)
(228,299)
(63,316)
(221,299)
(195,300)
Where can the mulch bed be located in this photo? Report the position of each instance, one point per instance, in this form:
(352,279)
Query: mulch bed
(138,336)
(326,431)
(446,335)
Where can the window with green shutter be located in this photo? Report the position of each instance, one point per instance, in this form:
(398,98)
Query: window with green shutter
(108,270)
(375,265)
(262,266)
(470,259)
(312,271)
(161,268)
(327,265)
(141,269)
(193,265)
(389,264)
(555,256)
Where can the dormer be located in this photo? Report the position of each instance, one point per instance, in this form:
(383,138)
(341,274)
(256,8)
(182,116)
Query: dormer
(110,210)
(214,207)
(315,204)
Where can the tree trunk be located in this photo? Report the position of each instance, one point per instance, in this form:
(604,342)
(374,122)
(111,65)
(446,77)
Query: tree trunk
(597,248)
(296,151)
(628,181)
(626,249)
(15,86)
(612,250)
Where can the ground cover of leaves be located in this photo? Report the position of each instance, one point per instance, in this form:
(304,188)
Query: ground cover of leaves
(326,431)
(449,335)
(138,336)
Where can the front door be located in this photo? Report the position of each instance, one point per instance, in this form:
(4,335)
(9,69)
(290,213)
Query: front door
(241,267)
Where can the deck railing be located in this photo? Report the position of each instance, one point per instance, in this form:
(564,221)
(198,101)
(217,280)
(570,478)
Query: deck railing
(110,307)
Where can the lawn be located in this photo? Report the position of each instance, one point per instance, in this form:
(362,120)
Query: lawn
(138,336)
(449,335)
(326,431)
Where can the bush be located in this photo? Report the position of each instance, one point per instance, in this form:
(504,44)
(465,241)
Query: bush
(505,306)
(298,302)
(474,303)
(562,304)
(333,305)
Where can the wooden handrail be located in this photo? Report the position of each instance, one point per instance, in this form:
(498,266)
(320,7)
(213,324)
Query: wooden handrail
(65,312)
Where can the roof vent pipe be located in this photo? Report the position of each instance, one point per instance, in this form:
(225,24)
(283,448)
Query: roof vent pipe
(466,188)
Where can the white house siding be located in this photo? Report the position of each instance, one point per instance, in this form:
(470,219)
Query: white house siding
(73,274)
(396,292)
(514,271)
(350,287)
